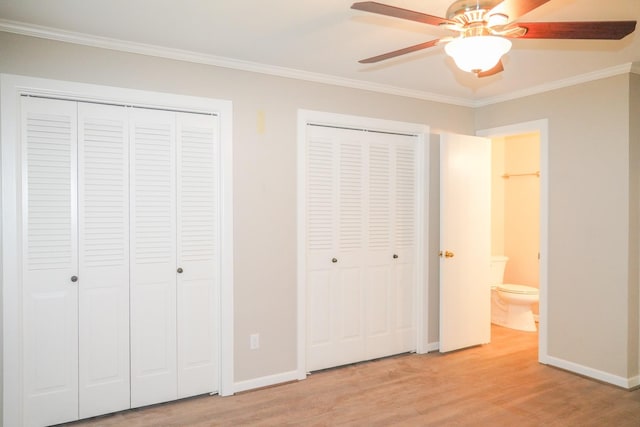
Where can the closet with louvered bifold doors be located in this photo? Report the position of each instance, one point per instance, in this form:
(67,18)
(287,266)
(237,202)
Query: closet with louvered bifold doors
(361,219)
(120,257)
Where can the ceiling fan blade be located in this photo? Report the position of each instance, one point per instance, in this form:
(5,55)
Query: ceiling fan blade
(495,70)
(516,8)
(396,12)
(595,30)
(399,52)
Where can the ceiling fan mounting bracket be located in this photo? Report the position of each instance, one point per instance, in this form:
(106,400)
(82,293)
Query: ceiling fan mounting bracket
(470,11)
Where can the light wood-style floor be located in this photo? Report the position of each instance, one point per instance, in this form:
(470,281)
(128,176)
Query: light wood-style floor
(499,384)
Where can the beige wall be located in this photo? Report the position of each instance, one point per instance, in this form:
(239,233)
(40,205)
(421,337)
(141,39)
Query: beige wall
(593,207)
(264,166)
(589,217)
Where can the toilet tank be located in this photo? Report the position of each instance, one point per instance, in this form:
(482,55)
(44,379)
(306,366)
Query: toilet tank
(498,263)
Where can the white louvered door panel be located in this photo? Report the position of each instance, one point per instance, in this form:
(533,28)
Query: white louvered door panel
(103,170)
(153,257)
(379,285)
(198,253)
(393,190)
(335,230)
(49,242)
(404,241)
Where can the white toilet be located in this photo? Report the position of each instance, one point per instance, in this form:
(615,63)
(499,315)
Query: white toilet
(511,304)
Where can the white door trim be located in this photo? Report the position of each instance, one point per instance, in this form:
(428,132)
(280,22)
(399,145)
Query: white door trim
(11,88)
(541,126)
(306,117)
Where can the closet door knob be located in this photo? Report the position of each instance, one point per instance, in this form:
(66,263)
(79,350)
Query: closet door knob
(74,279)
(179,270)
(334,260)
(395,256)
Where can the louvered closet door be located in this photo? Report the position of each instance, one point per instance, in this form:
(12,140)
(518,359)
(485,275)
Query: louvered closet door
(103,199)
(335,230)
(153,257)
(405,241)
(198,249)
(361,200)
(49,242)
(391,270)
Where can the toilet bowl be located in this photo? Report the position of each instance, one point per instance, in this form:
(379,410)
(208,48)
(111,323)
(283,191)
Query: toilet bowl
(510,303)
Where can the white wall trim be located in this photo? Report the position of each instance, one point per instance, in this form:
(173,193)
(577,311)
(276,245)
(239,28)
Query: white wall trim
(318,117)
(627,383)
(11,88)
(266,381)
(557,84)
(541,126)
(433,346)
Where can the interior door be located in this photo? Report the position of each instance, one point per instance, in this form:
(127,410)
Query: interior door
(50,261)
(465,241)
(153,257)
(391,248)
(103,205)
(335,230)
(198,249)
(361,222)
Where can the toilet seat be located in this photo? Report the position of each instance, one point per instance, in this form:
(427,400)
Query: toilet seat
(517,289)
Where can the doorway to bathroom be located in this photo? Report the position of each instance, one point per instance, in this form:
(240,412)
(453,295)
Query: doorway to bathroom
(519,209)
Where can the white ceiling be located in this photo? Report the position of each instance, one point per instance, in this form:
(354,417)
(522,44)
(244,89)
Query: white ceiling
(323,40)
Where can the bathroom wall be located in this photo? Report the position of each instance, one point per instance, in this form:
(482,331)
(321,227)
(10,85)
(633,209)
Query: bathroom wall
(516,206)
(522,209)
(497,196)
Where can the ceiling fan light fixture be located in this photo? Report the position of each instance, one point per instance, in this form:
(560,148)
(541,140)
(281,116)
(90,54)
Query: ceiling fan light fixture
(477,53)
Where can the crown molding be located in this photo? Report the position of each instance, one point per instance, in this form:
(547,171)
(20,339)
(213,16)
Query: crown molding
(559,84)
(236,64)
(218,61)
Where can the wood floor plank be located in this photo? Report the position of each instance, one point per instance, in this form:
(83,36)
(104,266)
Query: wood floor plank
(499,384)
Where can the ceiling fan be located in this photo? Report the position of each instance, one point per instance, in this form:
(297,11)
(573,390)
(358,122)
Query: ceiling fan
(484,28)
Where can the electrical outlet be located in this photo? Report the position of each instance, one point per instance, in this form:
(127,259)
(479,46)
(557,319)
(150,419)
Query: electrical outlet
(254,341)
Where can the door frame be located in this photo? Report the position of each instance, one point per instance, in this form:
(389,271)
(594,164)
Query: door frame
(542,127)
(11,88)
(306,117)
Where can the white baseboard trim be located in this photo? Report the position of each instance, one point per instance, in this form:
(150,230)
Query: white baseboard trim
(627,383)
(433,346)
(266,381)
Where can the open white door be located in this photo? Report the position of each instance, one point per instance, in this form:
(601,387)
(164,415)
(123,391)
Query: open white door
(465,241)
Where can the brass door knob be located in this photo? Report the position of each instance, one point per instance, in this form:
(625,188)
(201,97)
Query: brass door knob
(447,254)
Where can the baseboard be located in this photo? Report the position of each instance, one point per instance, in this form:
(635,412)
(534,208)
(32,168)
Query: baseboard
(433,346)
(626,383)
(634,382)
(269,380)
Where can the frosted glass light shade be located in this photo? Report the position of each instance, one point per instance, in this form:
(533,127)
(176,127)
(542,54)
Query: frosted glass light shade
(477,53)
